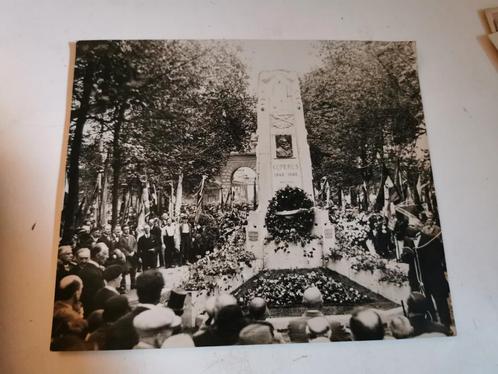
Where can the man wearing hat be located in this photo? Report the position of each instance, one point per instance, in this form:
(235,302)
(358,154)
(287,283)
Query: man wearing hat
(318,330)
(154,326)
(313,301)
(112,277)
(176,301)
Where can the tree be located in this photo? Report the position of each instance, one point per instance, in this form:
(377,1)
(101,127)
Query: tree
(158,108)
(362,108)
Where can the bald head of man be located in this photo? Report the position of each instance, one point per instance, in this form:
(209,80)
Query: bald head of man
(258,309)
(366,325)
(312,298)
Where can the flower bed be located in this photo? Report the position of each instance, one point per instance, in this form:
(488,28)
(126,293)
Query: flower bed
(227,260)
(360,260)
(352,231)
(281,288)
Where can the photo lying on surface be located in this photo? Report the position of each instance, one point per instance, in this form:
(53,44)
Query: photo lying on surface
(247,192)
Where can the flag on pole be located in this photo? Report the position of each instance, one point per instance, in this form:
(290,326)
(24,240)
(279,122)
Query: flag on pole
(144,202)
(153,195)
(343,200)
(179,195)
(327,193)
(103,199)
(200,197)
(171,206)
(230,196)
(398,182)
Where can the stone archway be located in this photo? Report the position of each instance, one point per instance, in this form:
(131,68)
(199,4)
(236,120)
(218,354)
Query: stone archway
(235,161)
(244,185)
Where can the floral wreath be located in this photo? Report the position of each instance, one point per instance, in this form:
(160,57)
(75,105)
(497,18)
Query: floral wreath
(290,216)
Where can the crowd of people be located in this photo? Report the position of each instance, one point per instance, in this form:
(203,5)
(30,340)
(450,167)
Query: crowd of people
(92,311)
(157,324)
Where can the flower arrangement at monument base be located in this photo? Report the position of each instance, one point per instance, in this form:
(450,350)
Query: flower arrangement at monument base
(361,260)
(352,228)
(285,288)
(352,231)
(226,261)
(289,218)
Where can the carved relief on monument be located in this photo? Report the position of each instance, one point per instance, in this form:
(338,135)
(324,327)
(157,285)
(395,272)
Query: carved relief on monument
(282,121)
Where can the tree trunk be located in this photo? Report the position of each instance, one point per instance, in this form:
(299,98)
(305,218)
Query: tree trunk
(117,163)
(73,173)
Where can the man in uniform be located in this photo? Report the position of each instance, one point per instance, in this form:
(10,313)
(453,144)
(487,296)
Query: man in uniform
(427,271)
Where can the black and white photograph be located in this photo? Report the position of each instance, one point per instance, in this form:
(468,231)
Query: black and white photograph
(240,192)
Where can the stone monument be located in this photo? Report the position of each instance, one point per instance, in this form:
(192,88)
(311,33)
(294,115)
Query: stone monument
(283,159)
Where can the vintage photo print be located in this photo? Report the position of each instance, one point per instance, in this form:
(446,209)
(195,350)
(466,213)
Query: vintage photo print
(247,192)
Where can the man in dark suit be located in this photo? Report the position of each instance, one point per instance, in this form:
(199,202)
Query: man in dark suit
(92,275)
(229,321)
(147,249)
(112,277)
(418,309)
(128,245)
(107,238)
(65,266)
(426,272)
(156,233)
(185,240)
(122,334)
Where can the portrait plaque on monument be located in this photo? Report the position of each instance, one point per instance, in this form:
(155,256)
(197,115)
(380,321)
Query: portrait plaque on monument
(283,145)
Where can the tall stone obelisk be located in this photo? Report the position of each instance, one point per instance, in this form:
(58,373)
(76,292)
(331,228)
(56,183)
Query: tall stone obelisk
(283,155)
(283,159)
